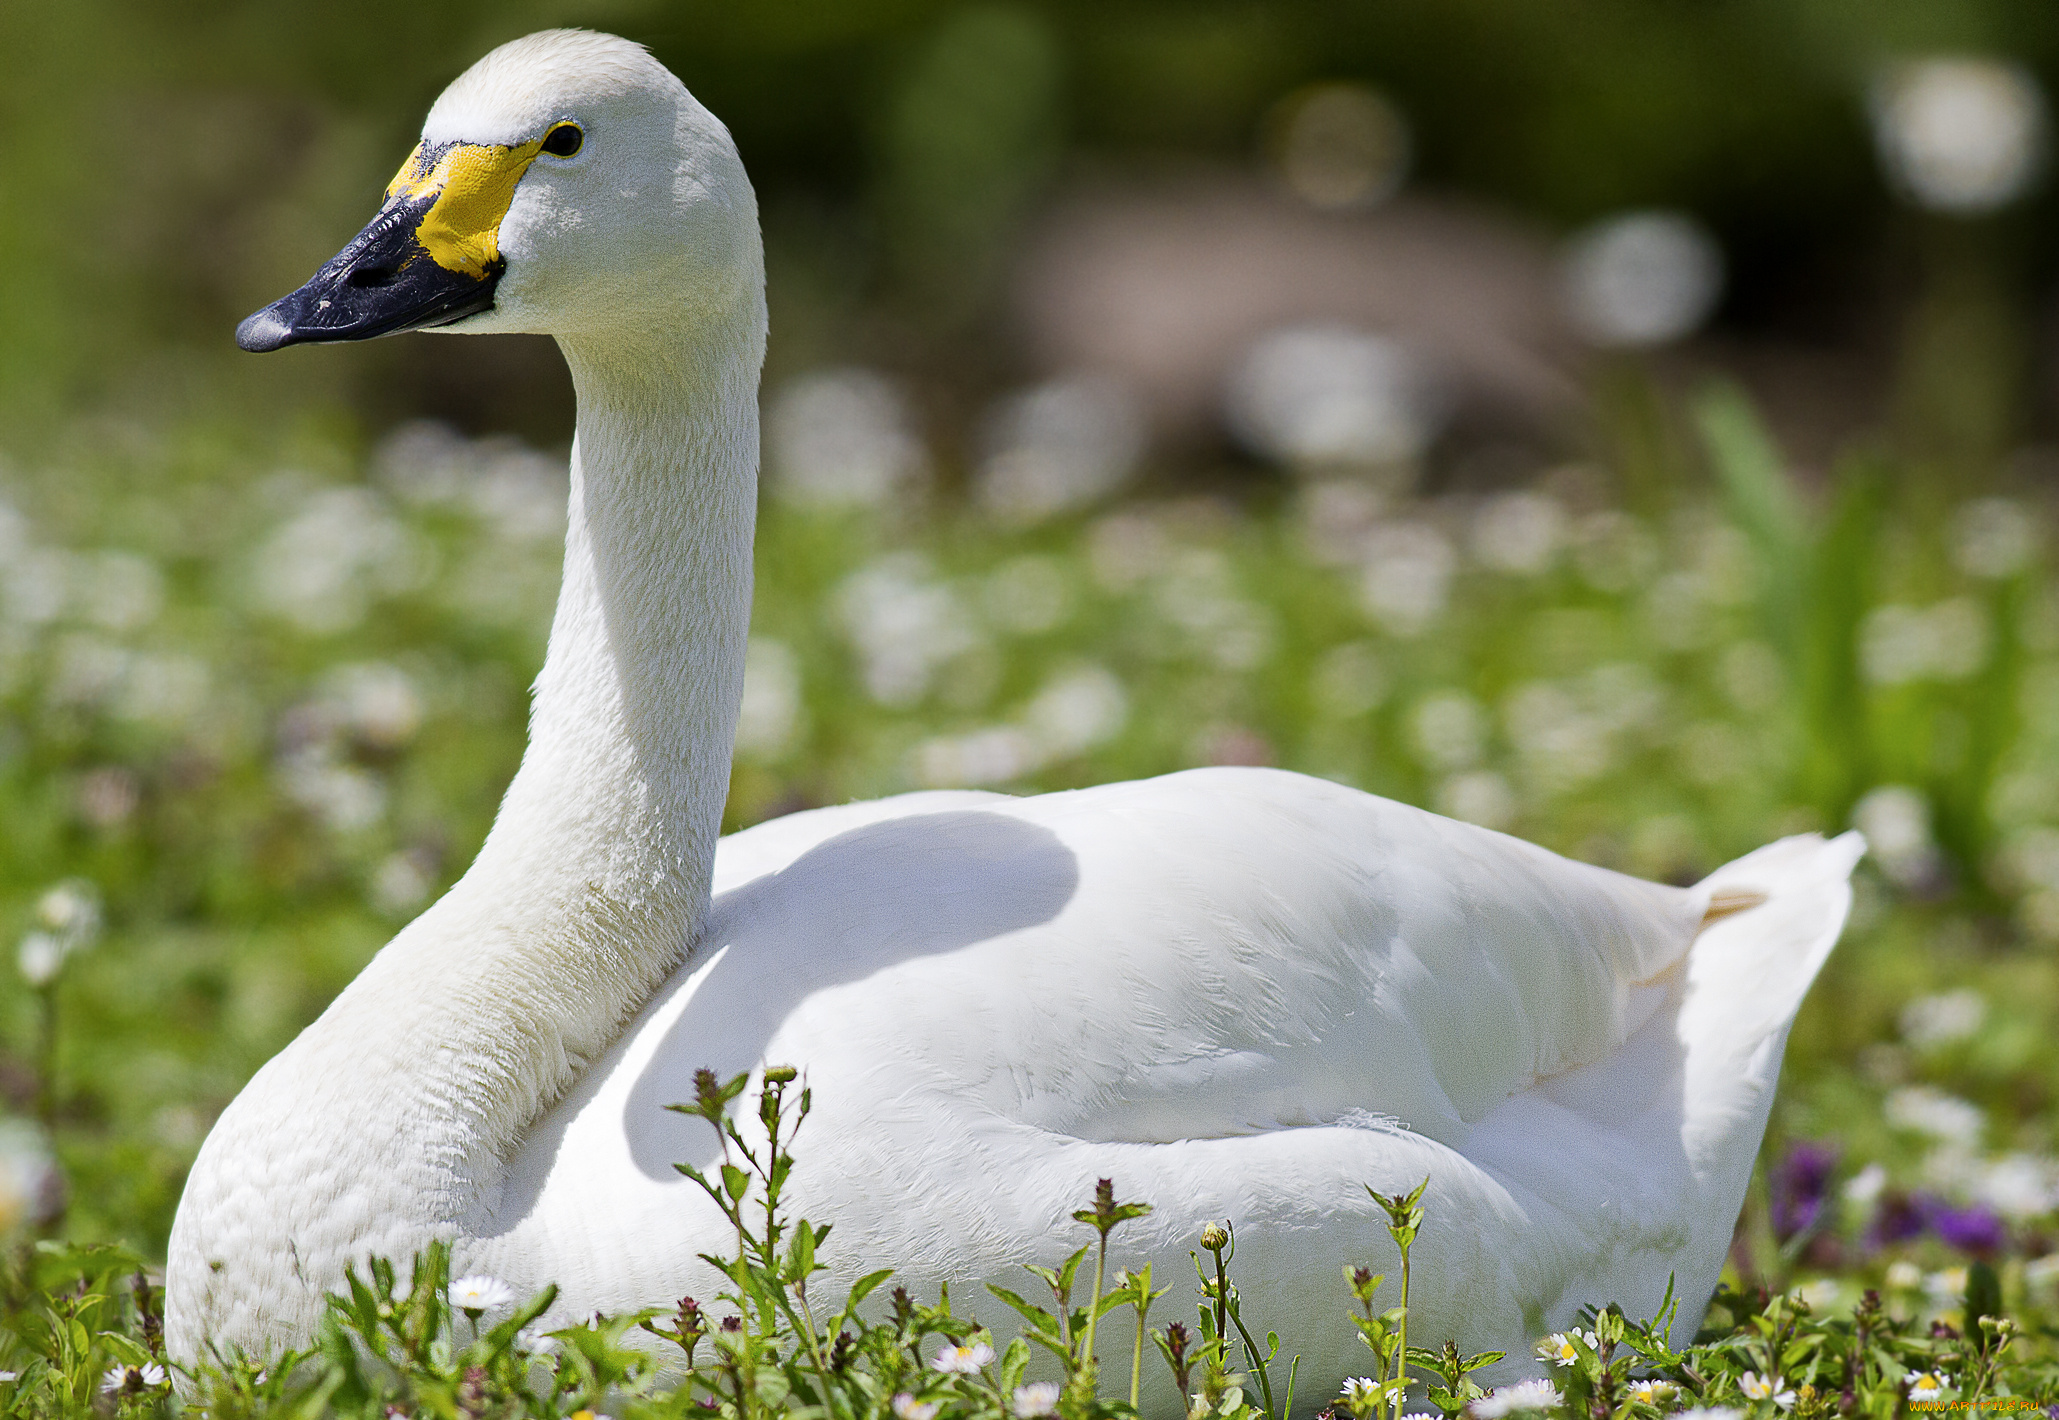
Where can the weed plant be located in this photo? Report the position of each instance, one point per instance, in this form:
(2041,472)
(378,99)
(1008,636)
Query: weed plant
(80,1334)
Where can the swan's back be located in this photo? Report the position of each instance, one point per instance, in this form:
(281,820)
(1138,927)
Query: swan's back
(1212,953)
(1242,993)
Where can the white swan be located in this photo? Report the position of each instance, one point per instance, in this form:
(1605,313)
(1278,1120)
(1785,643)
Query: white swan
(1242,994)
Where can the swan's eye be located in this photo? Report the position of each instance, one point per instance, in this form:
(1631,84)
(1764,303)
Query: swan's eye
(564,140)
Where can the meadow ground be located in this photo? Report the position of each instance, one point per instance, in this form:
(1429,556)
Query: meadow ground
(261,702)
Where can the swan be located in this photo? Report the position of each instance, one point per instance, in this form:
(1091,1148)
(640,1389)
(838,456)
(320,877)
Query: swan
(1241,993)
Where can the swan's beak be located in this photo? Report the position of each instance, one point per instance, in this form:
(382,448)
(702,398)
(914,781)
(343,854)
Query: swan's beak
(431,256)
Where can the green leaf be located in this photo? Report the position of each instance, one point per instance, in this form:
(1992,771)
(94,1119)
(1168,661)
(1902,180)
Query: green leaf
(864,1286)
(1983,1294)
(1040,1321)
(126,1350)
(801,1253)
(1752,472)
(735,1182)
(1112,1300)
(1070,1269)
(1014,1361)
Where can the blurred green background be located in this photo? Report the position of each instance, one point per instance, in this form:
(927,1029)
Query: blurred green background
(1629,423)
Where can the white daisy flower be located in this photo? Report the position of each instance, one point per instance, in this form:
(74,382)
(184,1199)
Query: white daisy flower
(1036,1398)
(1759,1387)
(1651,1392)
(480,1293)
(1926,1385)
(533,1342)
(1523,1395)
(907,1407)
(1559,1349)
(1361,1388)
(148,1376)
(963,1360)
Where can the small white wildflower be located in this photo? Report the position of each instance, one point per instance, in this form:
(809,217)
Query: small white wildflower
(1864,1188)
(963,1360)
(1921,1109)
(1523,1395)
(907,1407)
(1904,1275)
(1820,1293)
(1926,1385)
(1711,1412)
(1947,1284)
(533,1342)
(39,958)
(1559,1347)
(1758,1387)
(1943,1019)
(1036,1398)
(71,909)
(1650,1392)
(119,1379)
(480,1293)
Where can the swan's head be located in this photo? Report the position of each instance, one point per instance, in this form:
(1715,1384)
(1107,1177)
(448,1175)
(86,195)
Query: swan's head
(567,184)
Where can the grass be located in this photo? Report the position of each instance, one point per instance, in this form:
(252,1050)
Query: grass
(260,700)
(79,1339)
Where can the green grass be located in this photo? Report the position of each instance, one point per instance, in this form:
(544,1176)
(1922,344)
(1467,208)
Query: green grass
(262,698)
(81,1338)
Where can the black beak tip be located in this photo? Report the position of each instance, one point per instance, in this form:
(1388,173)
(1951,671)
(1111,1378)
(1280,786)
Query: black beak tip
(264,331)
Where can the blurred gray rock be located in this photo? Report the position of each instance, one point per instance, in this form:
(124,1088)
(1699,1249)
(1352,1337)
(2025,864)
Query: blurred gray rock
(1169,286)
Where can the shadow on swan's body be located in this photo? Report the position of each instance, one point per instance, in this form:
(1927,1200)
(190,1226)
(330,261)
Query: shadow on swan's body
(1242,994)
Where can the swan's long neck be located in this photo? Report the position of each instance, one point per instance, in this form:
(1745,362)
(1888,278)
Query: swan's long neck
(594,880)
(607,835)
(410,1093)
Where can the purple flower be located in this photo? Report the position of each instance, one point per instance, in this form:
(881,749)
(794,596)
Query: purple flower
(1799,1184)
(1971,1229)
(1901,1216)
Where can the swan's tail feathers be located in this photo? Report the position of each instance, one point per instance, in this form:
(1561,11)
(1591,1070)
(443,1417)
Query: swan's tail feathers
(1769,921)
(1638,1163)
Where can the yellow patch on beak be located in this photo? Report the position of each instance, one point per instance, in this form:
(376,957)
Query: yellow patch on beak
(473,184)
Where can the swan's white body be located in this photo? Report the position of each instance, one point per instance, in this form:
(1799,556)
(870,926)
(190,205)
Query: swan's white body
(1241,994)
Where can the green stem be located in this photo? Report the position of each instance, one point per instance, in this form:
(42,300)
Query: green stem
(46,1057)
(1258,1364)
(1401,1349)
(1137,1356)
(1222,1308)
(1094,1307)
(815,1352)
